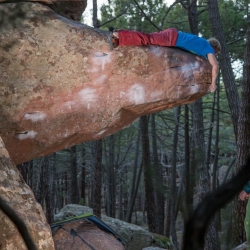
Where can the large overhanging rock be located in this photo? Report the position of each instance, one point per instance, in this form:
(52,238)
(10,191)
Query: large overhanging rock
(61,84)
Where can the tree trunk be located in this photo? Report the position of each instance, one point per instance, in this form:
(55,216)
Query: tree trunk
(133,189)
(112,186)
(168,218)
(211,241)
(49,195)
(65,189)
(199,143)
(243,146)
(110,171)
(216,144)
(188,195)
(95,20)
(42,187)
(24,169)
(210,132)
(215,181)
(173,189)
(148,173)
(83,176)
(133,198)
(120,198)
(97,186)
(158,181)
(193,16)
(74,192)
(125,203)
(225,63)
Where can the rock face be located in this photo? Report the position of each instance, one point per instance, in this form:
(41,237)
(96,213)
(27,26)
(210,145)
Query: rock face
(61,85)
(153,248)
(20,197)
(241,247)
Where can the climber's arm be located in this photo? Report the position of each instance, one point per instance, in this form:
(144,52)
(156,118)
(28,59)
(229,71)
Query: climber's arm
(245,193)
(215,70)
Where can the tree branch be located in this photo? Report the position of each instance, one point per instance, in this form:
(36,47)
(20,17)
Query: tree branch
(120,14)
(170,7)
(146,15)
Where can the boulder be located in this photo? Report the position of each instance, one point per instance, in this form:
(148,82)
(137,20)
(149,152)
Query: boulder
(61,84)
(18,196)
(71,210)
(243,246)
(136,237)
(153,248)
(83,235)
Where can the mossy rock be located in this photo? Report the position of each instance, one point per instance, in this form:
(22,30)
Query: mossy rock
(161,241)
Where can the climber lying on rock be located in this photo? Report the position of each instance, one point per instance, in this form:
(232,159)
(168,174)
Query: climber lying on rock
(173,38)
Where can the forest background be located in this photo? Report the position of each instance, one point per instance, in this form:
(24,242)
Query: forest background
(164,163)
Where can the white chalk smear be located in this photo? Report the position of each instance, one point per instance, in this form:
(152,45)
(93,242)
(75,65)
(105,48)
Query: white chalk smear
(100,79)
(100,60)
(194,88)
(122,94)
(136,94)
(189,69)
(35,116)
(156,95)
(28,135)
(12,172)
(178,91)
(186,74)
(69,105)
(88,96)
(156,51)
(101,132)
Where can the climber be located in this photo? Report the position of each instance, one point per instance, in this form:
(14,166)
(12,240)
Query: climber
(244,195)
(173,38)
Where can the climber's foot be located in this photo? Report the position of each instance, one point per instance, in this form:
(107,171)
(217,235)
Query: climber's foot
(115,35)
(115,42)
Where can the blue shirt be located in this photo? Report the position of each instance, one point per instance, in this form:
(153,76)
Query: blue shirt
(247,188)
(194,44)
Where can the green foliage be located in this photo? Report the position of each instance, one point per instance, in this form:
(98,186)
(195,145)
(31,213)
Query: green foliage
(82,202)
(134,18)
(177,18)
(233,16)
(227,139)
(162,241)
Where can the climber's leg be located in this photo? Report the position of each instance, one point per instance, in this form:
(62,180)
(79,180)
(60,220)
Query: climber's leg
(134,38)
(166,37)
